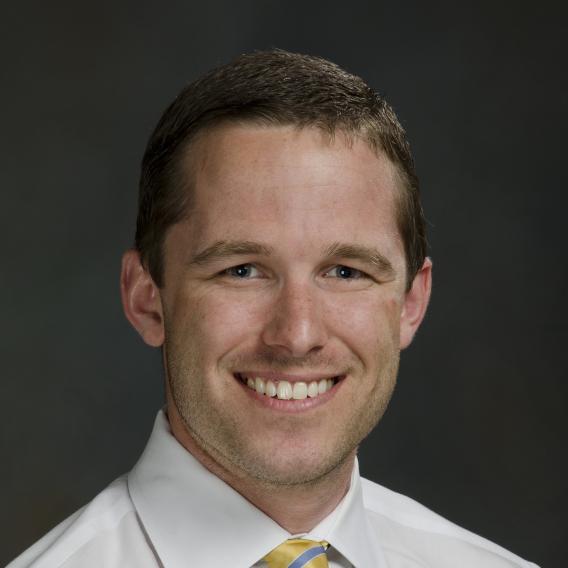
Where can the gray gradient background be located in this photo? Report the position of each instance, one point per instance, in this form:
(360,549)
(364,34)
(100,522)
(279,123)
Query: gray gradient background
(477,427)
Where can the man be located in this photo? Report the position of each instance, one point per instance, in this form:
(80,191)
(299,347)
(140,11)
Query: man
(280,264)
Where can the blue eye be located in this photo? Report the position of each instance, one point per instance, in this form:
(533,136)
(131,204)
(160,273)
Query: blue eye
(242,271)
(346,273)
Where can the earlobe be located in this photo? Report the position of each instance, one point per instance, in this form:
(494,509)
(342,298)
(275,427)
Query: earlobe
(415,304)
(141,299)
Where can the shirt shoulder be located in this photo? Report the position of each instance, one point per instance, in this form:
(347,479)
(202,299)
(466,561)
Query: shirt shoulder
(413,536)
(104,533)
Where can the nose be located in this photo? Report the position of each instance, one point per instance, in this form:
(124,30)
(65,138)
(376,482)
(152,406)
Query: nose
(296,326)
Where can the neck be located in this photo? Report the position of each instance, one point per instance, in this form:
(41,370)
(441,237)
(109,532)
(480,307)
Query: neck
(297,508)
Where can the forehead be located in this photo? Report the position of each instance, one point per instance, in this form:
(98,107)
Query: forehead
(280,182)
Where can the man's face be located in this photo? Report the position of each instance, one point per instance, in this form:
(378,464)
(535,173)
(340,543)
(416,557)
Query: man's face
(289,269)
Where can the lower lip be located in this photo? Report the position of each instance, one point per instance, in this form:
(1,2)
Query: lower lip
(292,406)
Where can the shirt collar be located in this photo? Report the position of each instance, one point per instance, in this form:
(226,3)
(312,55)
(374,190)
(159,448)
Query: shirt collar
(348,531)
(190,515)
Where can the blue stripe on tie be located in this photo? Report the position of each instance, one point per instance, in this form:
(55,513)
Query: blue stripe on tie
(305,557)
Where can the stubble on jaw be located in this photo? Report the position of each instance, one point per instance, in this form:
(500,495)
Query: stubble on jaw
(217,440)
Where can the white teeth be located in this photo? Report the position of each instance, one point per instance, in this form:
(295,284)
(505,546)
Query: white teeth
(284,390)
(313,389)
(270,388)
(259,385)
(300,391)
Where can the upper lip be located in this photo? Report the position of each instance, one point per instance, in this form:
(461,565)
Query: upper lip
(291,378)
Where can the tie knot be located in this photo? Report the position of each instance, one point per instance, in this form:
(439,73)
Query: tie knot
(298,553)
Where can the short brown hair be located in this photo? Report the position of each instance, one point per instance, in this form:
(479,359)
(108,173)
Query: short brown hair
(279,88)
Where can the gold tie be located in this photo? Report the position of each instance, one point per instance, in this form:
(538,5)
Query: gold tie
(298,553)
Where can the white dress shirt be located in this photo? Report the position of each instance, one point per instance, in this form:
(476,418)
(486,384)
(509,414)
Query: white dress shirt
(171,512)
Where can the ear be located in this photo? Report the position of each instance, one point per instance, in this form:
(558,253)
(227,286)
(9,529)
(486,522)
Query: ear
(141,299)
(415,304)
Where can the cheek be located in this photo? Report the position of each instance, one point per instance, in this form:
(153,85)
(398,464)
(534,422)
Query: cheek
(365,323)
(217,324)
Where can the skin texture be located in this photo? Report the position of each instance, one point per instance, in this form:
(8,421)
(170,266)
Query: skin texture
(288,307)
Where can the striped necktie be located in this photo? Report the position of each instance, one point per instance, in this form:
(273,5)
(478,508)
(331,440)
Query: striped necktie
(298,553)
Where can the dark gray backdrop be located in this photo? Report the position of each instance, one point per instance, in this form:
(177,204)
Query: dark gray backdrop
(476,429)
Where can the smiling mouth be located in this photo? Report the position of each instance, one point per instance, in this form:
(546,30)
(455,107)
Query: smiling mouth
(286,390)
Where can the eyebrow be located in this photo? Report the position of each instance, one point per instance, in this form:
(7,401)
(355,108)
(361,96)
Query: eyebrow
(368,255)
(225,249)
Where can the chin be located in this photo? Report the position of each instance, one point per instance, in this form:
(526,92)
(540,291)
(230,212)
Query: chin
(296,469)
